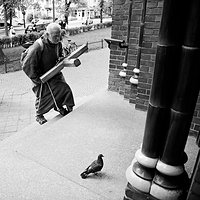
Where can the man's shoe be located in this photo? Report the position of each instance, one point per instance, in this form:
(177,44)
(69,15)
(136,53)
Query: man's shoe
(63,111)
(40,119)
(70,108)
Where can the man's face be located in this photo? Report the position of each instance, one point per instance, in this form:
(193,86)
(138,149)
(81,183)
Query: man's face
(54,36)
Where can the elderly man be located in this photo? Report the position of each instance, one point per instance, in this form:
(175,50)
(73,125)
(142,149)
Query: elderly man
(41,57)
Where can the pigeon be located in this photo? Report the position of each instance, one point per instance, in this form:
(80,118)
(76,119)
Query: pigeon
(94,167)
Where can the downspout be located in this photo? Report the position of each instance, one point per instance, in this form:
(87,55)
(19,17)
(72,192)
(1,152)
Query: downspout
(134,78)
(141,34)
(129,28)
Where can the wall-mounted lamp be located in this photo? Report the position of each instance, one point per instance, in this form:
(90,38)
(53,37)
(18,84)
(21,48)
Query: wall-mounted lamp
(120,43)
(122,73)
(134,78)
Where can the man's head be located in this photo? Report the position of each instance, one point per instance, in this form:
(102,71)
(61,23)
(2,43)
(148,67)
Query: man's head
(53,32)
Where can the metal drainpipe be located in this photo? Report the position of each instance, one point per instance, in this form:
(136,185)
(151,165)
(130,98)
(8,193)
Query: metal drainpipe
(129,28)
(141,34)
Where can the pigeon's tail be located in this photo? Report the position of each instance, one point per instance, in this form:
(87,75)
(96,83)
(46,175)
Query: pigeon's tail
(83,175)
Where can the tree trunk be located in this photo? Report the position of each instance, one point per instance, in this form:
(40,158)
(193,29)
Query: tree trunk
(10,15)
(53,10)
(24,21)
(5,19)
(67,5)
(23,8)
(101,15)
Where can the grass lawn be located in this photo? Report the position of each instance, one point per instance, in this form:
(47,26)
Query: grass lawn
(13,54)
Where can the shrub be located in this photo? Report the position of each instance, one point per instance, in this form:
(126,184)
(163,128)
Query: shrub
(20,39)
(6,41)
(1,42)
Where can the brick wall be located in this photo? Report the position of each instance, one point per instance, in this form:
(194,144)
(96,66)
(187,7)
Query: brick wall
(137,94)
(148,52)
(117,54)
(195,125)
(194,191)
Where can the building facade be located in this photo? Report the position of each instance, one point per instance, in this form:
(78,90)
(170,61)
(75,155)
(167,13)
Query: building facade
(140,43)
(140,28)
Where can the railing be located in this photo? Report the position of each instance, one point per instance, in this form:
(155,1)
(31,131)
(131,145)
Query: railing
(8,65)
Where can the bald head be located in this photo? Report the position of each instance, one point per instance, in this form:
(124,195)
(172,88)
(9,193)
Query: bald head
(53,32)
(52,27)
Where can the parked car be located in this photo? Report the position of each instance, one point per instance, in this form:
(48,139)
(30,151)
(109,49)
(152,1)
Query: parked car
(34,21)
(35,27)
(2,24)
(15,22)
(39,21)
(87,22)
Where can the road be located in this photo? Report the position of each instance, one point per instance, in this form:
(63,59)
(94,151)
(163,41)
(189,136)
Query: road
(72,24)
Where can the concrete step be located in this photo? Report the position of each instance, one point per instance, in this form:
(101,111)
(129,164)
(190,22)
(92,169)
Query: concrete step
(45,164)
(58,153)
(52,117)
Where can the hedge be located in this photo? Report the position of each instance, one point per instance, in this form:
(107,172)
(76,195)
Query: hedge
(6,42)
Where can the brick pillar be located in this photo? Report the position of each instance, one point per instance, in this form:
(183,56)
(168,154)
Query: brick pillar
(117,54)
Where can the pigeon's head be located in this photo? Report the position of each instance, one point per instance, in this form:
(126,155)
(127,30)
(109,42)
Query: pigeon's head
(100,156)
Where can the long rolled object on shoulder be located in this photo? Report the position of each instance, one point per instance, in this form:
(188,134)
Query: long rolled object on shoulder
(79,51)
(53,71)
(70,61)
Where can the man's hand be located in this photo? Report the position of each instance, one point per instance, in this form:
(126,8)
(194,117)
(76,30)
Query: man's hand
(60,59)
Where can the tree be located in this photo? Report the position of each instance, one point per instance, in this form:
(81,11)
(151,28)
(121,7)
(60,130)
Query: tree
(8,9)
(66,7)
(108,7)
(23,5)
(101,6)
(23,9)
(4,3)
